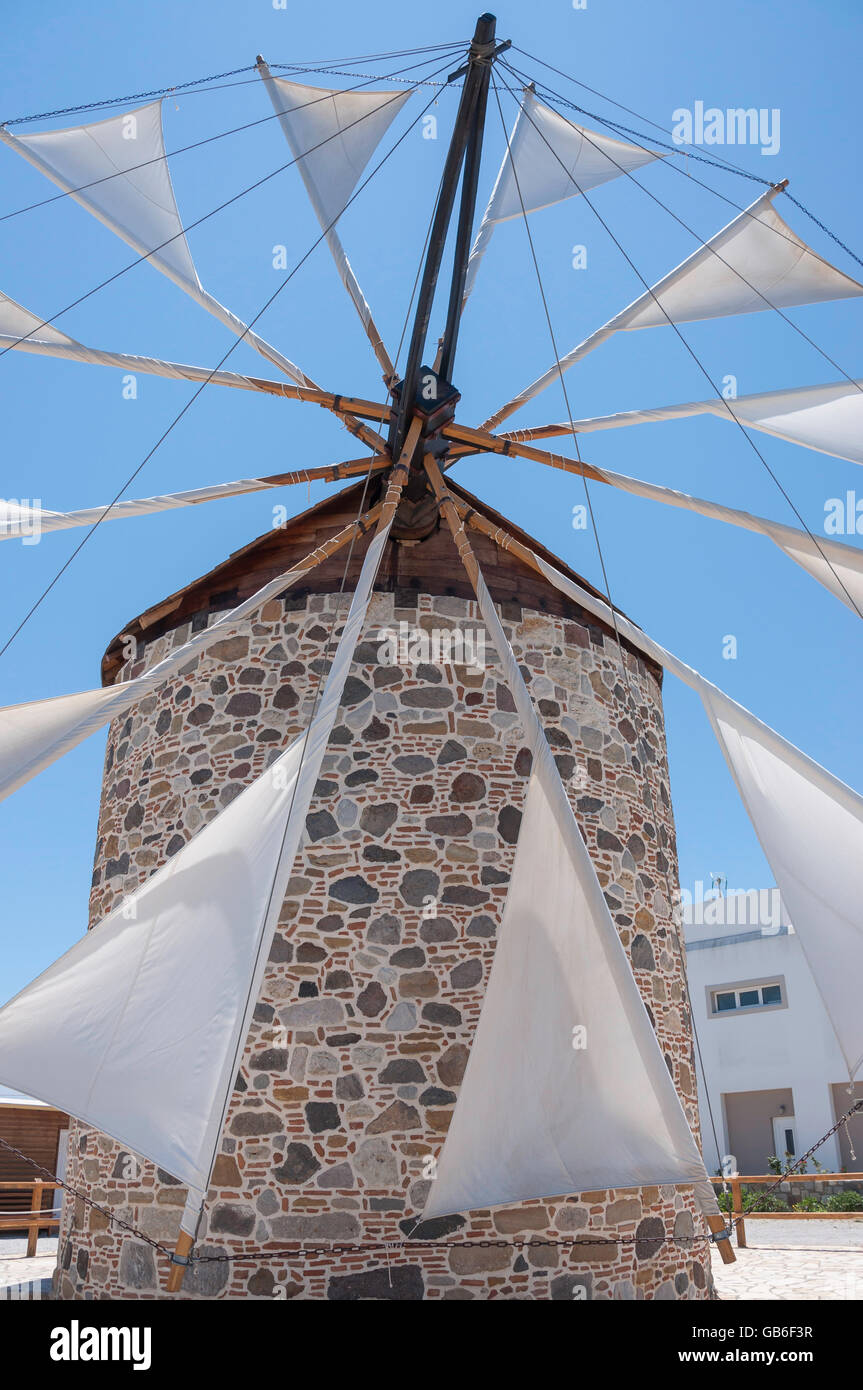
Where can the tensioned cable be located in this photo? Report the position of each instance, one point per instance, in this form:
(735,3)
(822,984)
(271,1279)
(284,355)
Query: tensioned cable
(704,244)
(557,99)
(200,388)
(213,211)
(194,87)
(726,165)
(696,359)
(622,658)
(209,140)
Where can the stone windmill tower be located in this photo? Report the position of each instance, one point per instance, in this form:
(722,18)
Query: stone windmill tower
(384,997)
(370,1000)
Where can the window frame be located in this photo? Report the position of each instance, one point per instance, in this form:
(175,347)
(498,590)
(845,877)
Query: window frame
(740,987)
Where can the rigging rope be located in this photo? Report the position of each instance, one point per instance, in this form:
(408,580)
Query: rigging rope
(210,139)
(201,387)
(212,213)
(690,350)
(705,245)
(193,87)
(725,165)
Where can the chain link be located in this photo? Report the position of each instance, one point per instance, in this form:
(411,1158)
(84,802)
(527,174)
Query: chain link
(133,96)
(570,1242)
(817,220)
(88,1201)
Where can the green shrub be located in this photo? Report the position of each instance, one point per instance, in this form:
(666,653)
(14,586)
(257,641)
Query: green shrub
(844,1201)
(766,1201)
(808,1204)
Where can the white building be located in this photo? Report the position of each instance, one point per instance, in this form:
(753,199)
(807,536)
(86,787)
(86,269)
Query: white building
(773,1066)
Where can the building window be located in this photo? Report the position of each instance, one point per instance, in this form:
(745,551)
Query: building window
(738,999)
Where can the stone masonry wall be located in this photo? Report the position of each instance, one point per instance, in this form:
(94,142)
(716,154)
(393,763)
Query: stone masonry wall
(377,973)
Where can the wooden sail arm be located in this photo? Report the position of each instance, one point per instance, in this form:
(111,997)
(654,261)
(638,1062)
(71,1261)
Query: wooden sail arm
(33,521)
(485,442)
(385,513)
(343,265)
(704,1194)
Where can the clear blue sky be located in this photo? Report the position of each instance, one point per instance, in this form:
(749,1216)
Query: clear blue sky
(70,437)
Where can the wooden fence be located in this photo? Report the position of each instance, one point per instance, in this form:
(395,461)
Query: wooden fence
(739,1218)
(37,1218)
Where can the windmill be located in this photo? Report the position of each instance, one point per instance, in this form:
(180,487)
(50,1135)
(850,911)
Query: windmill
(139,1029)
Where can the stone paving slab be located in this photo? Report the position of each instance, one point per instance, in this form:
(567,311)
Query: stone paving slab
(16,1268)
(785,1260)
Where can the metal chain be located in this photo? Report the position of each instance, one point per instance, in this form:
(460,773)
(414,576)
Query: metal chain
(571,1242)
(88,1201)
(817,220)
(376,76)
(121,101)
(550,95)
(179,88)
(858,1105)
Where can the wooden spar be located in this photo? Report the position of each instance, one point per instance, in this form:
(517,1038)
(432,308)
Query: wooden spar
(399,475)
(351,468)
(716,1224)
(329,547)
(343,266)
(492,444)
(329,400)
(385,511)
(536,432)
(179,1261)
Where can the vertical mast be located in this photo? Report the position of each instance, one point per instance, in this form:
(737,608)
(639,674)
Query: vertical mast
(467,135)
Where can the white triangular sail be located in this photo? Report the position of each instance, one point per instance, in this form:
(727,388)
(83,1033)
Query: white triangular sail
(756,262)
(118,170)
(839,567)
(538,1115)
(27,521)
(828,418)
(332,135)
(18,322)
(138,1028)
(115,1034)
(547,1109)
(36,734)
(548,159)
(25,331)
(809,823)
(810,826)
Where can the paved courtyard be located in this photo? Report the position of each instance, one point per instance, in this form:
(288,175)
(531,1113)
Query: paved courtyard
(795,1259)
(16,1269)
